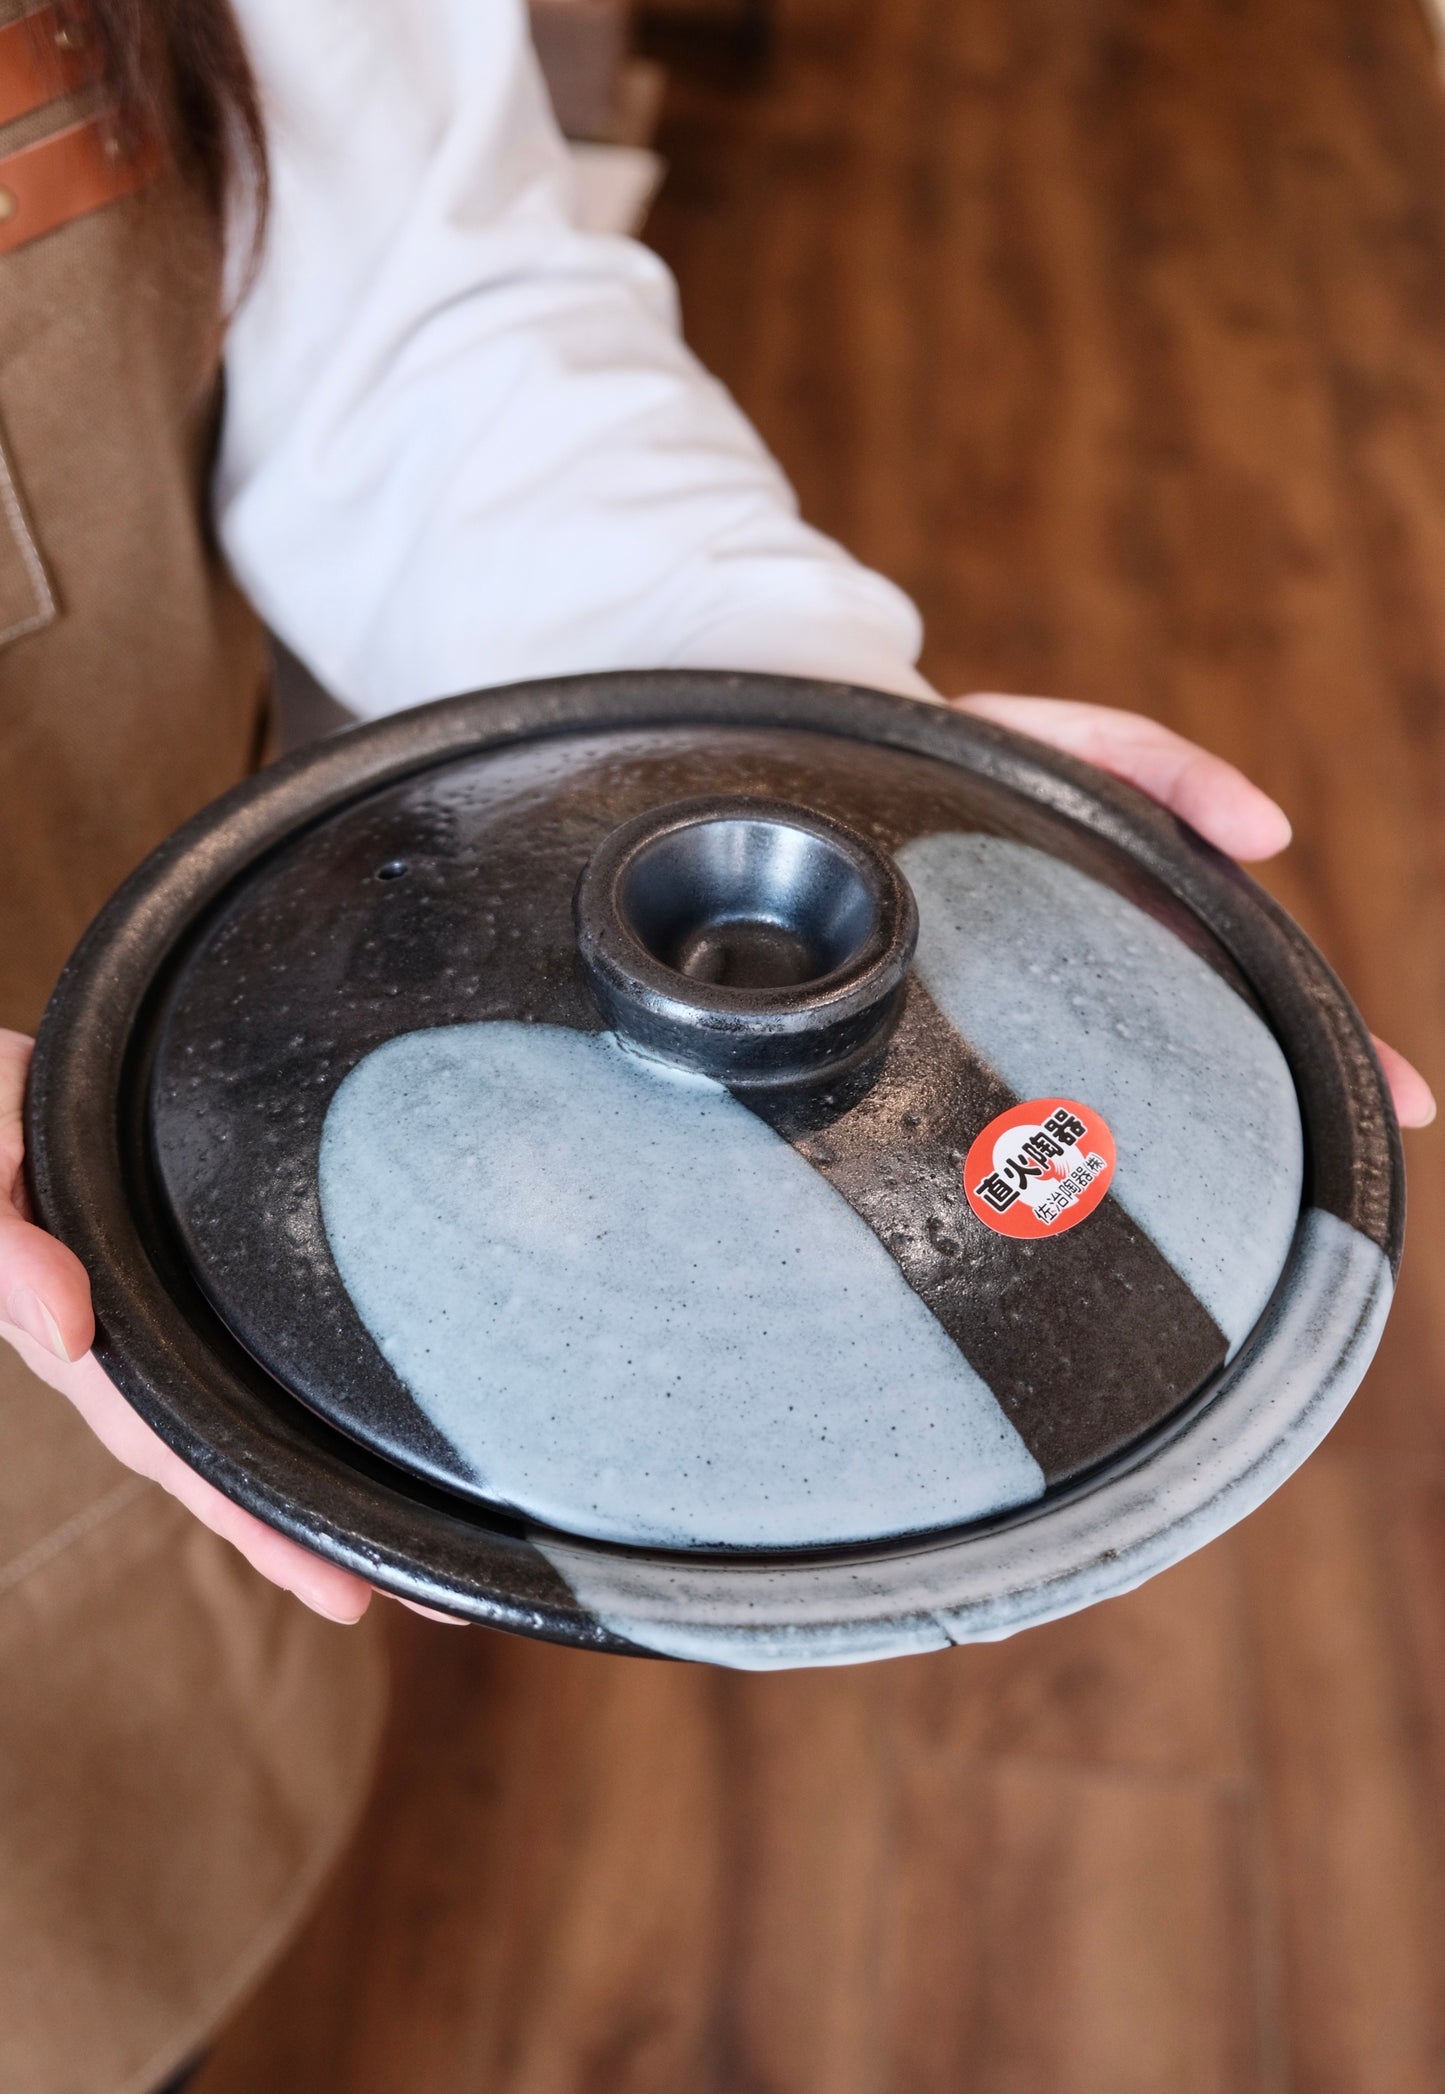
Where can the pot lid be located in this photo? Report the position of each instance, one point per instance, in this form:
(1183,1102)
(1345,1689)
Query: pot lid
(724,1121)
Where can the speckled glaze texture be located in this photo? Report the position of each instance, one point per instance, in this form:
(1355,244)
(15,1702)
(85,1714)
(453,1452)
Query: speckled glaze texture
(415,880)
(635,1312)
(448,900)
(1319,1335)
(1063,985)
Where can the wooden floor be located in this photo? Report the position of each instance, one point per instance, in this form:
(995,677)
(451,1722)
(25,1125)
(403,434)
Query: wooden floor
(1116,330)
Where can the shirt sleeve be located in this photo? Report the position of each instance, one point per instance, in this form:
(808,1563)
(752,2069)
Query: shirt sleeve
(464,443)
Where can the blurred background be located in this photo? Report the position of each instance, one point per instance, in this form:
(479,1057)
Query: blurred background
(1115,331)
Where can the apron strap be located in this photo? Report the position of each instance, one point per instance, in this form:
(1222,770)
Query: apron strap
(43,55)
(46,185)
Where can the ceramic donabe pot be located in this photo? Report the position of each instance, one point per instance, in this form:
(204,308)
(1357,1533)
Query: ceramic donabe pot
(718,1166)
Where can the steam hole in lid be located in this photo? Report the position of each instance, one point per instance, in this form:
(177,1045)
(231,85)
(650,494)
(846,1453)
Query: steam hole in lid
(747,953)
(747,904)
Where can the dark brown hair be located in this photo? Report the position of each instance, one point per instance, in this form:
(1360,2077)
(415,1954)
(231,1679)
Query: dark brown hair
(179,69)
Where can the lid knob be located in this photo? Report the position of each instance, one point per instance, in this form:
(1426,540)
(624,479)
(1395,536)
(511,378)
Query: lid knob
(746,939)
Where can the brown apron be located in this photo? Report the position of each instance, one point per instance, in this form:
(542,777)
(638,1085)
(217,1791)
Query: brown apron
(182,1747)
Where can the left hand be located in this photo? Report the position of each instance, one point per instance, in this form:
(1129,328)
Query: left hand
(45,1314)
(1203,790)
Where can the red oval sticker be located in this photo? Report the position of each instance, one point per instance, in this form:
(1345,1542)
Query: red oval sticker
(1040,1168)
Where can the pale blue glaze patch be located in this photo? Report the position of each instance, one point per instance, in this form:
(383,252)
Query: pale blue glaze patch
(1070,991)
(636,1312)
(1274,1406)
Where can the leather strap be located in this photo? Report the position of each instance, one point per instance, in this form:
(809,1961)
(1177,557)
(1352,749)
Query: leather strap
(46,185)
(44,55)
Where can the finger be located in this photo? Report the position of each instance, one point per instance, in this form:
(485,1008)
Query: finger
(43,1287)
(1414,1099)
(451,1621)
(15,1053)
(1202,789)
(45,1312)
(324,1587)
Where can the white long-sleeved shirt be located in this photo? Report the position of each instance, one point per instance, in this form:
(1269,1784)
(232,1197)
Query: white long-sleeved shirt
(464,443)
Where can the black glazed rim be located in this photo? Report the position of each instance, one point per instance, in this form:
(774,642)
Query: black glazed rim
(90,1172)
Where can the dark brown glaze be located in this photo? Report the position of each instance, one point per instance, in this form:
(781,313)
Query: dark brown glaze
(92,1139)
(447,900)
(1086,1340)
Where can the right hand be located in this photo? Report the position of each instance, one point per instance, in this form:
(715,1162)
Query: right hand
(45,1314)
(1202,789)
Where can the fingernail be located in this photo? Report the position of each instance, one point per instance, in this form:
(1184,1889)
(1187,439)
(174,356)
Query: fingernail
(28,1312)
(450,1621)
(345,1621)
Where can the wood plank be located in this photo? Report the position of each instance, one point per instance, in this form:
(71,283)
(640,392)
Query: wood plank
(537,1853)
(1351,1813)
(1050,1922)
(1116,331)
(1365,199)
(1117,1958)
(1149,1683)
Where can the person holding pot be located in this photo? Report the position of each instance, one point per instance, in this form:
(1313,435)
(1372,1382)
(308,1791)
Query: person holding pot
(460,444)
